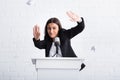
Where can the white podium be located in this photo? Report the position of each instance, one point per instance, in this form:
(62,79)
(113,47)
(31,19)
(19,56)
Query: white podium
(57,68)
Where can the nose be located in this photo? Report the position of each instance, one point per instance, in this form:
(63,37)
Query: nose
(51,30)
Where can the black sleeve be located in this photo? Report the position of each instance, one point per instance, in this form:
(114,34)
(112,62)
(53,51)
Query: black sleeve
(70,33)
(39,44)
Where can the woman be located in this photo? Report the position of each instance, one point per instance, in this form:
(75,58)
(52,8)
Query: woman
(54,29)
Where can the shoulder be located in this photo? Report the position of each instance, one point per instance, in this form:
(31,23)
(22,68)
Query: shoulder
(62,30)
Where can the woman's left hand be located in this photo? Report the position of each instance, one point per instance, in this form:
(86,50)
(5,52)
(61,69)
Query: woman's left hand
(74,17)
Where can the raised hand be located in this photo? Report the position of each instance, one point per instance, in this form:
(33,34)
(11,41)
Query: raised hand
(73,17)
(36,32)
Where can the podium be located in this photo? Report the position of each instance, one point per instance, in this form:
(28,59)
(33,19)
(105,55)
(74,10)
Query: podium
(58,68)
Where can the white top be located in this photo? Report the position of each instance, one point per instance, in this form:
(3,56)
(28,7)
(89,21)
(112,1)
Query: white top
(52,52)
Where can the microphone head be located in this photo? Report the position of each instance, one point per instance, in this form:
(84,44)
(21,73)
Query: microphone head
(57,41)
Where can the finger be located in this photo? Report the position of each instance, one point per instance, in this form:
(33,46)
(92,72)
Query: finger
(34,29)
(69,14)
(72,20)
(38,29)
(72,13)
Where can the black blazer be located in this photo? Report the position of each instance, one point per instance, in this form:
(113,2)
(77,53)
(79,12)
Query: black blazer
(65,44)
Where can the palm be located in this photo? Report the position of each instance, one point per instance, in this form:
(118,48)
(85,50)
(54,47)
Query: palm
(73,17)
(36,32)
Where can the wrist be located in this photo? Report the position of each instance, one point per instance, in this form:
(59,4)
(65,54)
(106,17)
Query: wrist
(36,38)
(80,20)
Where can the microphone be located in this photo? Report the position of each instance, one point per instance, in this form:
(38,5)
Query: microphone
(57,43)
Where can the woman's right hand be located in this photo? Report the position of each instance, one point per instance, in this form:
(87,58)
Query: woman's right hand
(36,32)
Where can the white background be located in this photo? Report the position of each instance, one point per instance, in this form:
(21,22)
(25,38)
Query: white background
(98,44)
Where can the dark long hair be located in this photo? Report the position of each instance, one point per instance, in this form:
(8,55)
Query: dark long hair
(52,20)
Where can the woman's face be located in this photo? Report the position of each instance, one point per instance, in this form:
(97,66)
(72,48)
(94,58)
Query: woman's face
(52,29)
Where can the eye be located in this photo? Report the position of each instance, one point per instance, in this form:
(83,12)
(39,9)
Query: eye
(48,28)
(54,28)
